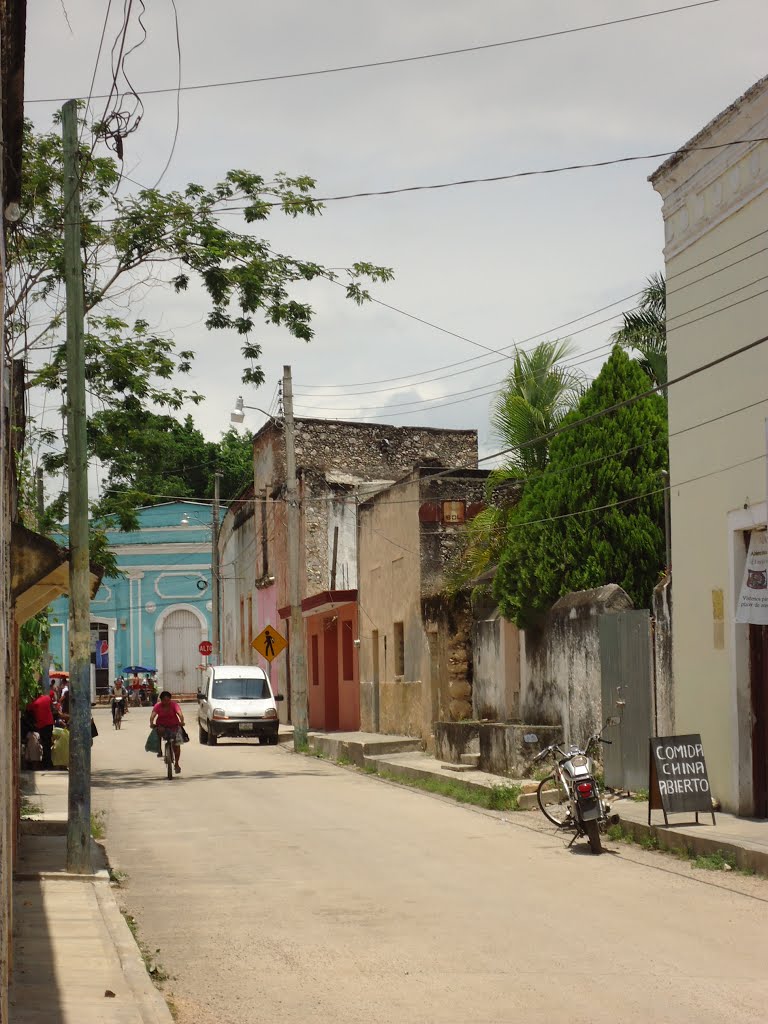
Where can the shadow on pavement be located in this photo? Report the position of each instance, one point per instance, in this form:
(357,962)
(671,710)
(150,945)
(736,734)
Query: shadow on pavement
(34,987)
(133,777)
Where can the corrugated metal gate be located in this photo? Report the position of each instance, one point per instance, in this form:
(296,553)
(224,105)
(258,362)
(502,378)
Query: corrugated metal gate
(626,662)
(181,635)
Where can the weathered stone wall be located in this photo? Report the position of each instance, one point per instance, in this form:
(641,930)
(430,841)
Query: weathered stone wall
(337,463)
(441,540)
(504,749)
(661,609)
(495,668)
(560,663)
(377,451)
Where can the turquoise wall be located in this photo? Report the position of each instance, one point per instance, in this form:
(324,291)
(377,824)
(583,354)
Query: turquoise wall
(167,567)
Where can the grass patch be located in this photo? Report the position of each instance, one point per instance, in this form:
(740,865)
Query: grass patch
(117,877)
(301,748)
(28,809)
(640,796)
(495,798)
(344,761)
(717,861)
(98,827)
(154,969)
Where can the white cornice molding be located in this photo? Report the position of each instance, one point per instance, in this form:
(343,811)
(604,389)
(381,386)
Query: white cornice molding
(161,549)
(714,191)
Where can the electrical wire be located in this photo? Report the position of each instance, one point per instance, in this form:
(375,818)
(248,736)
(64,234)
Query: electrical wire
(548,471)
(409,60)
(412,382)
(178,96)
(432,404)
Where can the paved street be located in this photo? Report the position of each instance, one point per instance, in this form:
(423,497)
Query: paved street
(283,888)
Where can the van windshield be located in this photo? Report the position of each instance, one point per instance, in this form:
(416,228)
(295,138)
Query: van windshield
(241,688)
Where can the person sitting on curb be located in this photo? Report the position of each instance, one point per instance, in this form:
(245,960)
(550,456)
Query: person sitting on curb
(168,716)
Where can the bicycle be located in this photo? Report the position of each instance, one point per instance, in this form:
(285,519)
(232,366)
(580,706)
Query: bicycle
(168,738)
(117,714)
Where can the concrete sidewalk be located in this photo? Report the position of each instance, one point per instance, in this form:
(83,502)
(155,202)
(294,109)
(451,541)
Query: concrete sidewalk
(746,839)
(75,960)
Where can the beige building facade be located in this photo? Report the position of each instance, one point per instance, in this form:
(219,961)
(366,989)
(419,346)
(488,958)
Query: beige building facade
(415,641)
(715,209)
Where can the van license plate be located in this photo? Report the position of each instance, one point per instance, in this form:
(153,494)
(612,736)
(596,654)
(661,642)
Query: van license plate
(246,727)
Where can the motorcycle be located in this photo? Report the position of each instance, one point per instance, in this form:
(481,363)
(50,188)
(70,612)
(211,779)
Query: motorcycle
(570,797)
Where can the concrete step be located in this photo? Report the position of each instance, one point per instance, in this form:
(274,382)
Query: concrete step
(528,801)
(472,760)
(356,746)
(459,767)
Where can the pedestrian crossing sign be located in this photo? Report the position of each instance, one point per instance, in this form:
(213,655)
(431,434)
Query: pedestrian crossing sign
(269,643)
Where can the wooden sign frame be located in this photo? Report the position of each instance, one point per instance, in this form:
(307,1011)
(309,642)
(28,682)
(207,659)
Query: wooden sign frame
(658,800)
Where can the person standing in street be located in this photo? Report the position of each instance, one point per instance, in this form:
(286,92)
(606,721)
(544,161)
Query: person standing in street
(42,714)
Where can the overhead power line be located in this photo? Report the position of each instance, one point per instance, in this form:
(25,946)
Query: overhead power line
(530,174)
(507,352)
(405,60)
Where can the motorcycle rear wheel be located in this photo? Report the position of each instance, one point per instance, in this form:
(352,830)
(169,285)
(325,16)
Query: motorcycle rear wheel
(559,811)
(592,830)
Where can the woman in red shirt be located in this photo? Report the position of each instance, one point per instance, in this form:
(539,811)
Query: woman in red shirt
(168,716)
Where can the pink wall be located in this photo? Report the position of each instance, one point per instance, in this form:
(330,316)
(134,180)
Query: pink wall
(333,677)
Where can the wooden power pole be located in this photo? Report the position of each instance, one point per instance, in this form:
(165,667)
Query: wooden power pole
(298,664)
(79,807)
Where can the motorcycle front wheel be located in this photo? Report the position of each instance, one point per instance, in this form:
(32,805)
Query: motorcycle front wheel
(554,805)
(592,829)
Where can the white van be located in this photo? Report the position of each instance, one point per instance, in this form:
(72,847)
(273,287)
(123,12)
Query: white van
(237,700)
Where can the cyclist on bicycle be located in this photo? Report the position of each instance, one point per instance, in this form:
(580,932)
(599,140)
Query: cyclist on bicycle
(167,716)
(119,696)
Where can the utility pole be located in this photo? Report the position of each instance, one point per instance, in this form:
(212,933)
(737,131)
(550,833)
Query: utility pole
(215,570)
(298,665)
(79,807)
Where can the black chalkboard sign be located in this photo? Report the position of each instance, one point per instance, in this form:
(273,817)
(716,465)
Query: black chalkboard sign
(678,778)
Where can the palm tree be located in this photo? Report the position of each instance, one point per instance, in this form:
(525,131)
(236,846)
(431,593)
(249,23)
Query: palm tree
(537,393)
(645,329)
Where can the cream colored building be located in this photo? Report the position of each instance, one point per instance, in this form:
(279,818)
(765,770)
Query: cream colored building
(715,209)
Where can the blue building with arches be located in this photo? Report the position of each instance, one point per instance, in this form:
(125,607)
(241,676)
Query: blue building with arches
(156,614)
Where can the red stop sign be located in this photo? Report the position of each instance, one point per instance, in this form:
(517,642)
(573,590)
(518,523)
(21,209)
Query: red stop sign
(205,647)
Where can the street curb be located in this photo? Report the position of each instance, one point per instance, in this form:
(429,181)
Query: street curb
(676,841)
(150,1002)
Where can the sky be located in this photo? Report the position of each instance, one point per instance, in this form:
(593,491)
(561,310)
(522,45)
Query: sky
(500,264)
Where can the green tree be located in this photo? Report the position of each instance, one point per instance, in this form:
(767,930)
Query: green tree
(152,238)
(537,393)
(554,542)
(645,329)
(152,457)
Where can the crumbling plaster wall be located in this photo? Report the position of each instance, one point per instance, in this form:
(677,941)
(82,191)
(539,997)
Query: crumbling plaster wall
(560,663)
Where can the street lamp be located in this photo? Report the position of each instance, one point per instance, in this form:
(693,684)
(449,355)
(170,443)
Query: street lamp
(238,415)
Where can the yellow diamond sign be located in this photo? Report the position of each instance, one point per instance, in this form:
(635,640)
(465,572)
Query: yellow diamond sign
(269,643)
